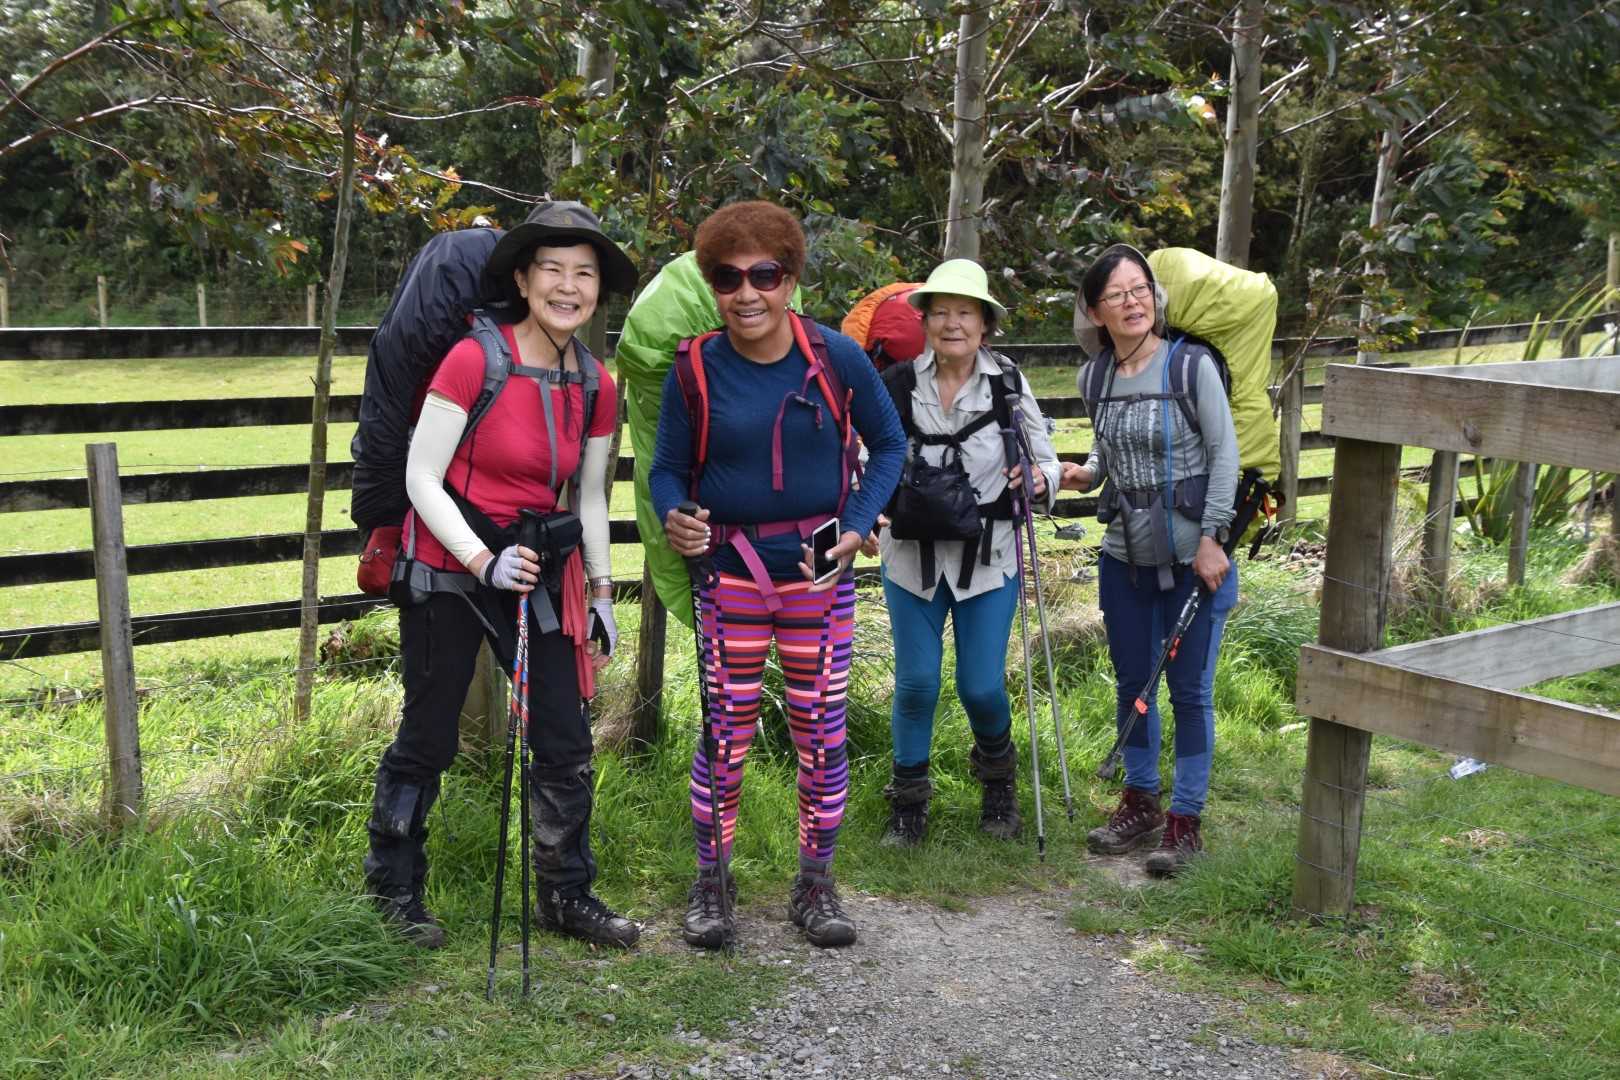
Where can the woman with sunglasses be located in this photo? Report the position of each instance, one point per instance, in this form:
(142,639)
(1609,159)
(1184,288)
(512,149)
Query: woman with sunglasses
(1168,505)
(764,451)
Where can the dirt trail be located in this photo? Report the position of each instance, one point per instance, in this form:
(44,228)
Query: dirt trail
(1005,991)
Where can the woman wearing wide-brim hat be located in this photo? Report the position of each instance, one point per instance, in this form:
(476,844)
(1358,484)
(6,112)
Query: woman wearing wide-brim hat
(541,446)
(955,400)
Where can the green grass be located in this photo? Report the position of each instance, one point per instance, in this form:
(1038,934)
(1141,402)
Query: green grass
(226,939)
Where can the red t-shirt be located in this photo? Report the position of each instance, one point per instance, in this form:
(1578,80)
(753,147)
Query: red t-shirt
(506,465)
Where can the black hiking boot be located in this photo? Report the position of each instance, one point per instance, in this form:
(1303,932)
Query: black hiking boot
(1134,823)
(584,916)
(908,811)
(1182,842)
(406,913)
(814,908)
(396,862)
(998,809)
(708,925)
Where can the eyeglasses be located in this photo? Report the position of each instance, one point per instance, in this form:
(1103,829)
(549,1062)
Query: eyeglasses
(764,276)
(1135,292)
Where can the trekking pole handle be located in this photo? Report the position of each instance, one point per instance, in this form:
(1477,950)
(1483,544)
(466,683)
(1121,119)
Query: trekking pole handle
(698,567)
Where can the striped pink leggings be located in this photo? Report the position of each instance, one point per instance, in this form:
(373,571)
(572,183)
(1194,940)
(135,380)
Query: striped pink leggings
(813,633)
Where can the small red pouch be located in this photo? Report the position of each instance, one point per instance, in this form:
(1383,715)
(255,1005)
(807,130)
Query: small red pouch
(377,560)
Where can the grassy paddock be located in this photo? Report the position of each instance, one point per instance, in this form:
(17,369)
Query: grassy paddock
(225,938)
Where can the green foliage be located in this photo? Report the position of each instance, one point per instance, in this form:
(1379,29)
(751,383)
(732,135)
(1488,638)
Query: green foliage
(1495,481)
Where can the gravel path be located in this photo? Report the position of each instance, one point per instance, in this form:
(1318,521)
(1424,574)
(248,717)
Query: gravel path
(1007,991)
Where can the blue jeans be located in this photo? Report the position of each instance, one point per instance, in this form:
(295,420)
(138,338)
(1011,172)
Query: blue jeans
(982,625)
(1137,616)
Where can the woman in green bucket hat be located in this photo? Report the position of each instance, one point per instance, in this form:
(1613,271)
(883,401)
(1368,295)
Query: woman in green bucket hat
(953,402)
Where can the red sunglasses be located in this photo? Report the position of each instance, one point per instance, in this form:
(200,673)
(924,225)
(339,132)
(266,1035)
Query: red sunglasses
(764,276)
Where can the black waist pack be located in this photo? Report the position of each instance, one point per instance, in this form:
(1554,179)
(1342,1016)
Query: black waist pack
(552,537)
(934,502)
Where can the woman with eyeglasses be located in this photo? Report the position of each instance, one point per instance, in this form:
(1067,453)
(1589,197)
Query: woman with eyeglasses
(757,428)
(955,402)
(1168,503)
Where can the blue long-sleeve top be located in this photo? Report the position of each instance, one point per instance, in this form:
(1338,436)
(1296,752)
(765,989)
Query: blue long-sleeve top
(736,486)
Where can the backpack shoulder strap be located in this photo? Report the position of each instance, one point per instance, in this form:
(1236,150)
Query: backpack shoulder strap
(694,384)
(1184,381)
(1094,380)
(900,380)
(497,366)
(1005,388)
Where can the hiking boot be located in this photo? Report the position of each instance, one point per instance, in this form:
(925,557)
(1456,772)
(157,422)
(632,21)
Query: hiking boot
(1135,823)
(406,913)
(395,865)
(585,917)
(908,811)
(1182,842)
(814,908)
(998,809)
(707,926)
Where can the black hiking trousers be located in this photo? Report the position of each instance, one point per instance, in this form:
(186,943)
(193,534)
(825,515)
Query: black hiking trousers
(439,643)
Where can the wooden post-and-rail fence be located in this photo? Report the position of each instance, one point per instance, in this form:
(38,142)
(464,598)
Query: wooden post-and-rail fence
(1460,693)
(108,491)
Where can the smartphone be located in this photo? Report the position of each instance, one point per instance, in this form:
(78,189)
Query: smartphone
(823,540)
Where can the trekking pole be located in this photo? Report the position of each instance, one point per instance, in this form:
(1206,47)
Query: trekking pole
(517,719)
(1109,769)
(1029,708)
(1026,461)
(1029,681)
(529,537)
(1251,496)
(701,571)
(506,818)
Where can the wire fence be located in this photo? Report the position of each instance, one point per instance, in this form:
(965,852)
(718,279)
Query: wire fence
(204,303)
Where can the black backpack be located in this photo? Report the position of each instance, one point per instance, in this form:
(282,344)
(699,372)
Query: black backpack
(438,302)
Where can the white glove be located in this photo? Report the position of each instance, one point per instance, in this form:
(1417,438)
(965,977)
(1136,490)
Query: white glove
(601,625)
(511,570)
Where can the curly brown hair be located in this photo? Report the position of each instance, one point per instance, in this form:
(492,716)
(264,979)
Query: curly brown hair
(759,225)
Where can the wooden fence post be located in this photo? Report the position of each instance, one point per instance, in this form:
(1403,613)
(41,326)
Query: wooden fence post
(309,305)
(5,304)
(122,800)
(1292,406)
(101,300)
(202,304)
(1441,512)
(644,719)
(1361,527)
(1524,507)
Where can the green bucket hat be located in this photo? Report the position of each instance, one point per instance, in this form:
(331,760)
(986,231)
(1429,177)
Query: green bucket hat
(958,277)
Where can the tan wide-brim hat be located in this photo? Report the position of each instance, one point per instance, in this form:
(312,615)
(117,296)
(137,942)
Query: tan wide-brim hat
(958,277)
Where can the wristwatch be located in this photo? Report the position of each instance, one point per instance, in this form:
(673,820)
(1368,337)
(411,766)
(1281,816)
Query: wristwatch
(1219,534)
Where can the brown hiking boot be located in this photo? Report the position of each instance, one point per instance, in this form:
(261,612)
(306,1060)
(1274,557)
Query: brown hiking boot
(1182,841)
(1134,823)
(998,806)
(908,811)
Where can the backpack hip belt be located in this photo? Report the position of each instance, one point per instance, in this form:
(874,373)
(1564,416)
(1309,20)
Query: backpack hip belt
(739,537)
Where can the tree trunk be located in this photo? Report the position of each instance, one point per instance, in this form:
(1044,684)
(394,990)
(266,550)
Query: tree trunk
(310,597)
(967,150)
(1389,158)
(595,65)
(1612,279)
(1242,137)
